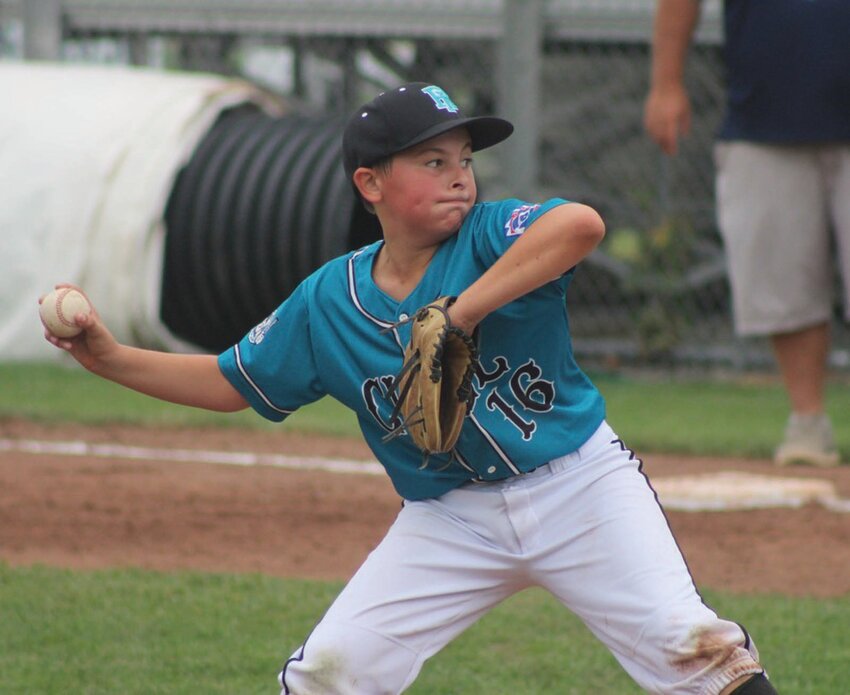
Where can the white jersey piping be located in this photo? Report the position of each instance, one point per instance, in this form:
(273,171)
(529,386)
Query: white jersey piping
(238,354)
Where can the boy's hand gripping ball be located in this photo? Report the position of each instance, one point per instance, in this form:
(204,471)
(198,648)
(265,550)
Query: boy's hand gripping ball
(58,309)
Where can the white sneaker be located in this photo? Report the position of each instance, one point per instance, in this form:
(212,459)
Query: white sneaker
(808,440)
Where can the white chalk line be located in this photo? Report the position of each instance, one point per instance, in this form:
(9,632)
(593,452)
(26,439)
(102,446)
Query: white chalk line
(682,493)
(230,458)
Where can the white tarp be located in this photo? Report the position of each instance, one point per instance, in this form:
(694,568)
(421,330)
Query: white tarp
(88,157)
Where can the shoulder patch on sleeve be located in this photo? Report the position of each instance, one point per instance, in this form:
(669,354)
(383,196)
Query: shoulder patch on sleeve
(519,218)
(259,331)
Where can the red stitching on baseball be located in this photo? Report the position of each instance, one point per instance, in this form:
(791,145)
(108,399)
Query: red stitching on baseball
(60,296)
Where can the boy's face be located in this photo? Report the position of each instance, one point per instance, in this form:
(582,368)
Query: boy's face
(430,187)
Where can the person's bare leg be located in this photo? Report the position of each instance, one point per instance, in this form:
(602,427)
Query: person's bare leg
(802,358)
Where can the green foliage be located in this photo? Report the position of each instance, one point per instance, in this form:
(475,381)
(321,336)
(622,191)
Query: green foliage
(657,259)
(658,267)
(132,631)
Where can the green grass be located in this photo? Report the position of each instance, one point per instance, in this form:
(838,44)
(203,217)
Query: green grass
(130,631)
(710,417)
(66,393)
(657,414)
(143,632)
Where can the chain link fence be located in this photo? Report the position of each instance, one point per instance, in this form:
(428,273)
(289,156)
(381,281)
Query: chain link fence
(655,292)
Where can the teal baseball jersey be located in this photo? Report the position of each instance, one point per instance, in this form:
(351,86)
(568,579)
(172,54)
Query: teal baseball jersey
(338,334)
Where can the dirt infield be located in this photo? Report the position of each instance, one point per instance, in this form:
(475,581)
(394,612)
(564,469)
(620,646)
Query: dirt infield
(85,512)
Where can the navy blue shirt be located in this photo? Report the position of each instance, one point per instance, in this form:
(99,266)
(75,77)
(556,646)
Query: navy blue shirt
(788,70)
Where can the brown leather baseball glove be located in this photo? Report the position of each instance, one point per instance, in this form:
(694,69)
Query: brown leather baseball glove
(434,386)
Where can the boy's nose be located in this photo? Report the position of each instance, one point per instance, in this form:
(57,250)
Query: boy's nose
(461,178)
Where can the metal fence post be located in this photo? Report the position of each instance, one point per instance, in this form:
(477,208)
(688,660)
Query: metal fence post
(42,29)
(518,80)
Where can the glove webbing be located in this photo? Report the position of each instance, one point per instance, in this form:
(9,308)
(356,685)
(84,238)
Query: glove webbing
(412,367)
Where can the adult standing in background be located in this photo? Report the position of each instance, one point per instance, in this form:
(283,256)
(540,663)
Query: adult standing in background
(783,180)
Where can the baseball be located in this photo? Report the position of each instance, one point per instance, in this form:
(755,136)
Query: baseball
(58,309)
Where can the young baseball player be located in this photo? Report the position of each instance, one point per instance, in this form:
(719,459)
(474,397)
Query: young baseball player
(537,491)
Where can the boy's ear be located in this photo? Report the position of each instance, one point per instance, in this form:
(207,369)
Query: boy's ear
(366,182)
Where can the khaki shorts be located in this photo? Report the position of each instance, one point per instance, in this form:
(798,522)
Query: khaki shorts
(784,214)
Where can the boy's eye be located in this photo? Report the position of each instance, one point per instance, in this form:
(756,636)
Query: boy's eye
(466,162)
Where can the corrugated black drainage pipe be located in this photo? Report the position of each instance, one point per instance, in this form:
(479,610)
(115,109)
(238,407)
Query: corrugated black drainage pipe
(261,204)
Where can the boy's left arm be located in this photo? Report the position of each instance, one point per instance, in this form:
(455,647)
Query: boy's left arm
(553,244)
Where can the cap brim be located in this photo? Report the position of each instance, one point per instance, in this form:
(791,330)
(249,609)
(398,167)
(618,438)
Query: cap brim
(485,131)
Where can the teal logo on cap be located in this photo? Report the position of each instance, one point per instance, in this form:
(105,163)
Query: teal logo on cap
(441,100)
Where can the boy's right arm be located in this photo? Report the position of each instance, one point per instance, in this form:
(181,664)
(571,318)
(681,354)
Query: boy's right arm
(193,380)
(667,112)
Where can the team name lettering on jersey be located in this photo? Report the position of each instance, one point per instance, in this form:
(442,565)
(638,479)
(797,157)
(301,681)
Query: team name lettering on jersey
(527,394)
(378,395)
(518,219)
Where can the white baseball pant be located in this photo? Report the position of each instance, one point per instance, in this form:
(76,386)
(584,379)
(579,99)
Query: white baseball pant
(587,527)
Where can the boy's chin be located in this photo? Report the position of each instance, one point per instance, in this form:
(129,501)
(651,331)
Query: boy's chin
(454,217)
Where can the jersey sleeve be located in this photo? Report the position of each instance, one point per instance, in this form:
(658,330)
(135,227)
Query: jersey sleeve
(495,226)
(499,224)
(273,366)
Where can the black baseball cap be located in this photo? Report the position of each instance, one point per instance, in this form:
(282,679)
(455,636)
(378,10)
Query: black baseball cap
(406,116)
